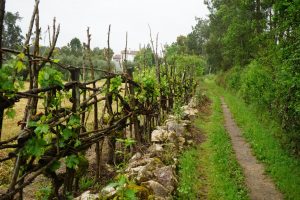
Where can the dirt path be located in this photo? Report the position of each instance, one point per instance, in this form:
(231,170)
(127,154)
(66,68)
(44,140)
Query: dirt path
(260,186)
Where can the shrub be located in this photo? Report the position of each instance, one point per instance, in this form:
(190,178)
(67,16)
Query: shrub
(257,85)
(232,78)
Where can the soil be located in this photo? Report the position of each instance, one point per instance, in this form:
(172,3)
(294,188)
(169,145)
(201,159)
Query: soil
(259,184)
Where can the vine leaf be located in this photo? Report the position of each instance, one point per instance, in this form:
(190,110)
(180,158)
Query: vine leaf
(74,121)
(72,161)
(35,147)
(10,113)
(67,133)
(77,143)
(55,166)
(41,128)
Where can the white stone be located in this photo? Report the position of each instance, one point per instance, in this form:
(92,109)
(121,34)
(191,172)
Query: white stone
(108,191)
(158,136)
(155,148)
(87,196)
(175,126)
(135,157)
(159,190)
(193,103)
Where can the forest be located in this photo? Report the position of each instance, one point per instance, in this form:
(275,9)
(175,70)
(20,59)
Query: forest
(76,124)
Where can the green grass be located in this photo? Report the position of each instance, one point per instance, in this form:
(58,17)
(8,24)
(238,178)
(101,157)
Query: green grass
(211,168)
(225,177)
(261,133)
(190,177)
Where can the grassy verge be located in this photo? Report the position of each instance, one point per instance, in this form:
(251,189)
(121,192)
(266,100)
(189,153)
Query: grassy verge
(211,167)
(190,176)
(261,133)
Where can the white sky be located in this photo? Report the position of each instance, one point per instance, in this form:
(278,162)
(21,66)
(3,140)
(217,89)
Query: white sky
(170,18)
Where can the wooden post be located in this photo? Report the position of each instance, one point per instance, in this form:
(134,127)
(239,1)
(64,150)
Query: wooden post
(2,12)
(108,103)
(157,67)
(70,173)
(97,148)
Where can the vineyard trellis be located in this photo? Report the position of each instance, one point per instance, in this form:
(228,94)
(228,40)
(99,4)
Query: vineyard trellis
(59,133)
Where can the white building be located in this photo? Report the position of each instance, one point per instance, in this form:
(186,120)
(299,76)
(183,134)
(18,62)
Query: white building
(130,54)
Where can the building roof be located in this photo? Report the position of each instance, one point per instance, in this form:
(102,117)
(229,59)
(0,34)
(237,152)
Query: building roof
(117,57)
(129,52)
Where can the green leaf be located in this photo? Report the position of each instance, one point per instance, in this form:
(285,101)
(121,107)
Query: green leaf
(19,66)
(41,128)
(50,77)
(116,82)
(122,180)
(61,143)
(35,147)
(67,133)
(55,166)
(72,161)
(113,185)
(46,76)
(56,60)
(11,113)
(32,124)
(21,56)
(74,121)
(130,194)
(77,143)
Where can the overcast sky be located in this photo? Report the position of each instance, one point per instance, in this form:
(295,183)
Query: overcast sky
(168,17)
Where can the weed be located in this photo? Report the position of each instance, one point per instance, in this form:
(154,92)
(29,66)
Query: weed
(43,193)
(85,183)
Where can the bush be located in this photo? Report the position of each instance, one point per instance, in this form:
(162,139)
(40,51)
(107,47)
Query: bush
(230,79)
(257,86)
(272,89)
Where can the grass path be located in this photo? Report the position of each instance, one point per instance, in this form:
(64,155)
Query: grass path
(214,170)
(213,163)
(259,184)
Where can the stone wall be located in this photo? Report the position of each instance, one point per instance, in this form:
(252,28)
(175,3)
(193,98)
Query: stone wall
(152,174)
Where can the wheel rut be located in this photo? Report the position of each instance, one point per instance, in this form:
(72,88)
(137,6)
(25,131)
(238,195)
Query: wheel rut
(259,184)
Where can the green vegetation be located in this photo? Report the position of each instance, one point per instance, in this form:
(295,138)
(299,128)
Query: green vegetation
(261,131)
(43,193)
(259,86)
(222,174)
(126,190)
(12,34)
(256,45)
(190,180)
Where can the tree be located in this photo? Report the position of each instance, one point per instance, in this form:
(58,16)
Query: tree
(145,57)
(197,38)
(182,43)
(12,35)
(75,47)
(258,43)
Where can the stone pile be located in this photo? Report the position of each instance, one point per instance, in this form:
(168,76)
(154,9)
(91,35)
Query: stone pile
(154,171)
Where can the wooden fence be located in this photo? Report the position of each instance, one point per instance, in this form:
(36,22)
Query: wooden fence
(120,107)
